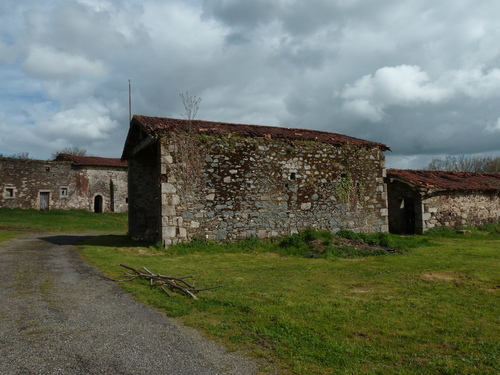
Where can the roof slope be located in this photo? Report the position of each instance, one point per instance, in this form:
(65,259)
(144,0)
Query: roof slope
(91,160)
(158,127)
(447,180)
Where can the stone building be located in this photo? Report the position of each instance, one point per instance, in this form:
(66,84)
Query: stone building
(218,181)
(421,200)
(69,182)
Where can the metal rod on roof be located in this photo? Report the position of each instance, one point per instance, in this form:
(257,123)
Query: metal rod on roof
(129,101)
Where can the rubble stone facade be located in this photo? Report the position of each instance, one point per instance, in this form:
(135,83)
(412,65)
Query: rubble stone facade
(227,186)
(454,209)
(46,185)
(421,200)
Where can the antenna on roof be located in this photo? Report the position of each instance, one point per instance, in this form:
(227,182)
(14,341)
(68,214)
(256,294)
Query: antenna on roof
(129,101)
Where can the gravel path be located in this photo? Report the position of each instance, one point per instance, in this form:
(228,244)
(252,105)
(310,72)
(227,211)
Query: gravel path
(61,316)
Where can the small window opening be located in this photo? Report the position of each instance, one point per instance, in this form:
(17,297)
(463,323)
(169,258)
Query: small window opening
(293,176)
(64,192)
(47,169)
(9,192)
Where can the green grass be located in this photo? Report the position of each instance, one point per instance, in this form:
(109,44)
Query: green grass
(62,220)
(305,308)
(6,235)
(433,309)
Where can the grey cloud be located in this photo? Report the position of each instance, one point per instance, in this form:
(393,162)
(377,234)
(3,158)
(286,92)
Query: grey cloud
(240,14)
(427,72)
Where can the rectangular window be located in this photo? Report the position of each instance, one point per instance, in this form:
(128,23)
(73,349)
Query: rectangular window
(9,192)
(64,192)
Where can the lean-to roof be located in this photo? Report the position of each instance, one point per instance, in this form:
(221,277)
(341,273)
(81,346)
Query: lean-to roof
(447,180)
(91,160)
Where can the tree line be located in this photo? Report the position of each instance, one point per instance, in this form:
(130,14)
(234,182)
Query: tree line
(466,163)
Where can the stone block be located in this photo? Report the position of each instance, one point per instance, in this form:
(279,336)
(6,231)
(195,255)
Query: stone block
(168,210)
(169,232)
(305,206)
(182,232)
(168,188)
(221,235)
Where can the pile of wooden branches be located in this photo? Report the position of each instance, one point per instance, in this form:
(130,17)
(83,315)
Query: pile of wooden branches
(174,283)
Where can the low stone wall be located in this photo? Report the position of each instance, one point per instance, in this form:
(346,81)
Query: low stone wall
(234,188)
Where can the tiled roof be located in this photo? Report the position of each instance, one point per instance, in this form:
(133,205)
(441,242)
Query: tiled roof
(91,160)
(447,180)
(158,127)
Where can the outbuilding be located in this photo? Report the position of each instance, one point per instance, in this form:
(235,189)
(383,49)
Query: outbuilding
(68,182)
(221,181)
(420,200)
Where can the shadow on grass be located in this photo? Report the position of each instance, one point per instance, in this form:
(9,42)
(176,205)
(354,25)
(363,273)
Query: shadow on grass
(65,240)
(114,240)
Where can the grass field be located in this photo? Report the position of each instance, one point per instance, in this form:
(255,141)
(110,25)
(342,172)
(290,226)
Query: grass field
(62,220)
(431,309)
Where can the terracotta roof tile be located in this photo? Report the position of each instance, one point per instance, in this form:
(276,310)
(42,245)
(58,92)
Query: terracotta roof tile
(447,180)
(159,126)
(91,160)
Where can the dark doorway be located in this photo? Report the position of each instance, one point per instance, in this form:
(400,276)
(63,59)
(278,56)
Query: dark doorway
(407,216)
(98,204)
(44,201)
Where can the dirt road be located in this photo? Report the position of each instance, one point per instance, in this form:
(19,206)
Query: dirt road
(59,315)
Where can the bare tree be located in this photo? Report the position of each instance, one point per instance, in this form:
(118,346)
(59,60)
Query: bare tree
(78,151)
(191,105)
(189,152)
(465,163)
(20,155)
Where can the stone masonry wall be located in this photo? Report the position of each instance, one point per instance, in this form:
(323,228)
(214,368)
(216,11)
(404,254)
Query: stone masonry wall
(235,188)
(455,209)
(68,186)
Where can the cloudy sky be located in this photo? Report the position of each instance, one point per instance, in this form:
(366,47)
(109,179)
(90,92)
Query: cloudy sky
(422,76)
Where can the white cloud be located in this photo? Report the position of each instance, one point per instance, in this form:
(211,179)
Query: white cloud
(89,121)
(48,63)
(474,83)
(402,85)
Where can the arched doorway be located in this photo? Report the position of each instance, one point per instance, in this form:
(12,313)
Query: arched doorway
(98,204)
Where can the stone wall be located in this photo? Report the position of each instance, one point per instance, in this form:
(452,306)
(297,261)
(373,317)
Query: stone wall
(414,210)
(455,208)
(68,186)
(221,188)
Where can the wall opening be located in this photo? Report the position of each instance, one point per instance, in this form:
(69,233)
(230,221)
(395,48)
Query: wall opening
(407,216)
(98,204)
(44,200)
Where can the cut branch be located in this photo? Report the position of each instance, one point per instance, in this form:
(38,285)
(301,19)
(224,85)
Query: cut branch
(162,281)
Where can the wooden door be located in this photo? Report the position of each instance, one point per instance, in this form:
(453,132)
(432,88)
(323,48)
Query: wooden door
(44,201)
